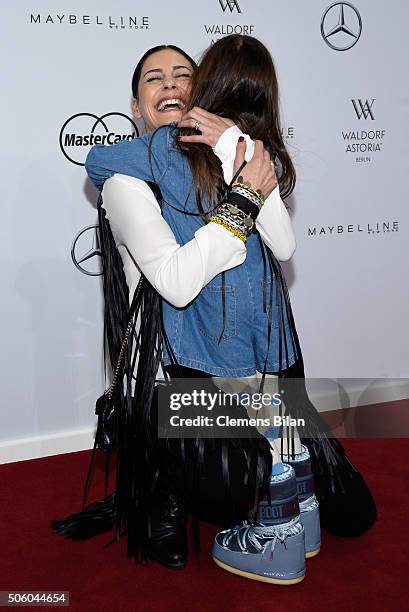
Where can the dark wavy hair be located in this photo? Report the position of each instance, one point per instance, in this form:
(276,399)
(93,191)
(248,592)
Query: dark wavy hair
(236,78)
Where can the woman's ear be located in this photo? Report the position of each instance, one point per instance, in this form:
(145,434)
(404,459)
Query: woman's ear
(135,109)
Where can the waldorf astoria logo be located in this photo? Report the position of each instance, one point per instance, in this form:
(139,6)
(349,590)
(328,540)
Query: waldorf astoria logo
(224,29)
(113,22)
(83,130)
(366,142)
(230,9)
(230,4)
(363,109)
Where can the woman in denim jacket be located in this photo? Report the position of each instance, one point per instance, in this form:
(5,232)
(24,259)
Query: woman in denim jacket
(238,322)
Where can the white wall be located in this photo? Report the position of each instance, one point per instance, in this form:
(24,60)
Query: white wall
(349,290)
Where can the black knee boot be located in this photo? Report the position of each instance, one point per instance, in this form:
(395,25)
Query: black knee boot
(166,530)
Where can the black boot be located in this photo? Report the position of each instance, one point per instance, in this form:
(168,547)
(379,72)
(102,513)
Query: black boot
(167,541)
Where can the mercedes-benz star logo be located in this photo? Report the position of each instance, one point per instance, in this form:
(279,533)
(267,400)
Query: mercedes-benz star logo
(341,26)
(86,248)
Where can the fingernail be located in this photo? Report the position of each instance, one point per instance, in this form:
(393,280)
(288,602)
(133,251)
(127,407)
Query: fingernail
(178,137)
(241,138)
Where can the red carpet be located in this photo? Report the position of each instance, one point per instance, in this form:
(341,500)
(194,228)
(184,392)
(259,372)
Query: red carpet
(369,573)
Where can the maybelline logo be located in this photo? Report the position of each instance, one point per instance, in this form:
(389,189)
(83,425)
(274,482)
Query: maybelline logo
(287,133)
(216,30)
(119,22)
(379,227)
(231,5)
(341,26)
(83,130)
(86,251)
(363,141)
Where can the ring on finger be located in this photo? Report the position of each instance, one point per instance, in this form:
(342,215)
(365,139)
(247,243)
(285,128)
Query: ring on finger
(197,126)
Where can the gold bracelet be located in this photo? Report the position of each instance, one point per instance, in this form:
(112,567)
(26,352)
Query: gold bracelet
(231,229)
(247,187)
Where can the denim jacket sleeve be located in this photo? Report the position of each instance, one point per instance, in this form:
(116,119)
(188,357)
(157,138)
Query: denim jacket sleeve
(145,158)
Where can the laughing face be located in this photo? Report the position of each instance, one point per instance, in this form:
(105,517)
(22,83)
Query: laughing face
(163,88)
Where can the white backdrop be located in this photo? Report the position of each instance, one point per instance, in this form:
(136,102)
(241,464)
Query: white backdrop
(345,116)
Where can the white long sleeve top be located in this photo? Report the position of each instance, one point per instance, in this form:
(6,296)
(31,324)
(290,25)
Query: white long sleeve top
(147,244)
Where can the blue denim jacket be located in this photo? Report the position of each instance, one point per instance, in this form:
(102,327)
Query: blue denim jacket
(194,331)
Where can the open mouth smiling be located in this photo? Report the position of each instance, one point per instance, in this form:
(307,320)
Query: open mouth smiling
(170,104)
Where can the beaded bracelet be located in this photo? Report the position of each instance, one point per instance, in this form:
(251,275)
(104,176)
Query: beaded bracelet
(233,230)
(236,216)
(246,185)
(244,203)
(233,222)
(231,210)
(240,182)
(249,195)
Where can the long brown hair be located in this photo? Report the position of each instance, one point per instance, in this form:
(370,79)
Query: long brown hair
(236,79)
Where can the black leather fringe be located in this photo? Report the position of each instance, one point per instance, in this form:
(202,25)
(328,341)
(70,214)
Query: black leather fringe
(329,458)
(143,463)
(141,460)
(97,518)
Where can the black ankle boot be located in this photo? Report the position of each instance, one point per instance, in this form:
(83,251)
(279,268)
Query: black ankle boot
(167,541)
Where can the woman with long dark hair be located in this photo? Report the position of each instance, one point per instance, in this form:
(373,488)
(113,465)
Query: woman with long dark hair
(238,324)
(143,242)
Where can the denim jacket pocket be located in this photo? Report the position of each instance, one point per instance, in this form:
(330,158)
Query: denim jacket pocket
(208,312)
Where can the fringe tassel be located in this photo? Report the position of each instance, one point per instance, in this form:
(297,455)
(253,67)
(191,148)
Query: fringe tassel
(95,519)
